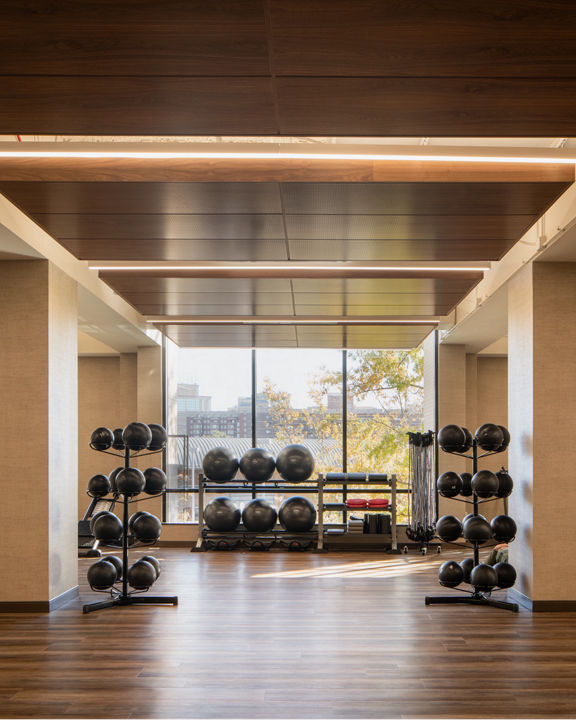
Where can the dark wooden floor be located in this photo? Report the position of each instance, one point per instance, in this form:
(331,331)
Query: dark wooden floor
(282,635)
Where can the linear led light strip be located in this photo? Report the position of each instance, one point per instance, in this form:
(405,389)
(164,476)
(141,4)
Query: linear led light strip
(72,154)
(291,321)
(291,268)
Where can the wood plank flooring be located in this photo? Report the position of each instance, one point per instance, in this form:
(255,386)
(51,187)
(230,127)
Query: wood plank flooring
(283,635)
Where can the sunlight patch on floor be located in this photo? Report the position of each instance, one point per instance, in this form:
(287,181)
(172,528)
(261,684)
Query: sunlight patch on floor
(374,568)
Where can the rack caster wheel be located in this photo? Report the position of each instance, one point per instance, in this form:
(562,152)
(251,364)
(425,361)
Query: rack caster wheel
(405,550)
(438,550)
(423,551)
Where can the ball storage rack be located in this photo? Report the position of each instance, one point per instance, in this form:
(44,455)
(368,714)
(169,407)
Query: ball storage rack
(122,595)
(474,596)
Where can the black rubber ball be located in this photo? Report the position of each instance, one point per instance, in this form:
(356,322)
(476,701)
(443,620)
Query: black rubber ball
(134,517)
(107,527)
(159,437)
(297,514)
(118,443)
(450,574)
(466,484)
(95,517)
(451,438)
(489,437)
(257,465)
(220,464)
(141,575)
(506,435)
(468,440)
(101,575)
(259,516)
(477,529)
(112,477)
(485,484)
(448,528)
(505,484)
(153,561)
(506,575)
(155,479)
(117,564)
(147,528)
(467,566)
(503,528)
(222,515)
(483,577)
(137,436)
(295,463)
(449,484)
(102,438)
(130,481)
(98,486)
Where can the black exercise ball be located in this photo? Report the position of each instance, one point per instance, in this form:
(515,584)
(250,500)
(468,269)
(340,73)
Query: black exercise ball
(112,477)
(220,464)
(489,437)
(259,516)
(485,484)
(130,481)
(155,481)
(295,463)
(147,528)
(467,566)
(450,574)
(505,484)
(117,564)
(468,440)
(134,517)
(466,517)
(451,438)
(466,484)
(257,465)
(154,562)
(506,575)
(102,438)
(477,529)
(449,484)
(159,437)
(107,528)
(137,436)
(483,577)
(95,517)
(222,515)
(101,575)
(448,528)
(141,575)
(98,486)
(118,443)
(503,528)
(297,514)
(506,435)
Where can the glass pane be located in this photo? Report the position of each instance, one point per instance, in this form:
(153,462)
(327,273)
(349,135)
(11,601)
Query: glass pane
(181,507)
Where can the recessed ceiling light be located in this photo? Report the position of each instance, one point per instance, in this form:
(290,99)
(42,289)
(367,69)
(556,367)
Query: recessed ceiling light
(291,268)
(285,321)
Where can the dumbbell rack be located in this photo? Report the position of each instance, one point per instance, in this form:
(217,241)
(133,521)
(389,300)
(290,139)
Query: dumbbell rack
(475,596)
(225,540)
(126,596)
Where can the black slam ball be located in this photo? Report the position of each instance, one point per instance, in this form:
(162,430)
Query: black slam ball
(467,566)
(155,479)
(222,515)
(506,435)
(503,528)
(154,562)
(101,575)
(130,481)
(257,465)
(466,484)
(295,463)
(117,564)
(483,577)
(112,477)
(506,575)
(450,574)
(449,484)
(451,438)
(134,517)
(259,516)
(448,528)
(147,528)
(220,464)
(107,527)
(477,529)
(489,437)
(98,486)
(505,484)
(297,514)
(102,438)
(137,436)
(468,440)
(159,437)
(485,484)
(141,575)
(118,443)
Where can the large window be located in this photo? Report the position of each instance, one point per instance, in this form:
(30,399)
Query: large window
(274,397)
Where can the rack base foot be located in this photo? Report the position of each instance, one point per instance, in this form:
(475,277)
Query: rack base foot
(469,600)
(136,600)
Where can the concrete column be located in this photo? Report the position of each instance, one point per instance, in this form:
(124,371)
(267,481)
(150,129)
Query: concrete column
(542,408)
(38,426)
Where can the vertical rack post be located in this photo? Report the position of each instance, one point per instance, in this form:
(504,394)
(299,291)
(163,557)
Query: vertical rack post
(475,497)
(320,543)
(125,533)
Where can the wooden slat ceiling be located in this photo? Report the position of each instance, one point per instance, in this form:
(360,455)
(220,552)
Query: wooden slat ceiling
(314,67)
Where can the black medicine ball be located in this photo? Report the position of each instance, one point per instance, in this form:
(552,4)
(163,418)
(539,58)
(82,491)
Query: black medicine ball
(102,438)
(477,529)
(503,528)
(466,484)
(506,575)
(449,484)
(489,437)
(448,528)
(483,577)
(159,437)
(451,438)
(118,443)
(137,436)
(257,465)
(485,484)
(101,575)
(505,484)
(130,481)
(155,481)
(467,566)
(98,486)
(450,574)
(220,464)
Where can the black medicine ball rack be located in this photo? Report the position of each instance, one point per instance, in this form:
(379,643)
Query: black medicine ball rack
(223,540)
(124,596)
(475,596)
